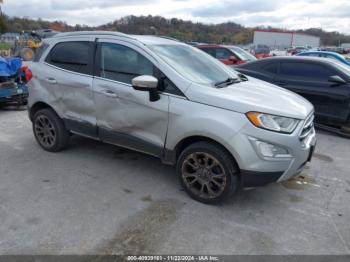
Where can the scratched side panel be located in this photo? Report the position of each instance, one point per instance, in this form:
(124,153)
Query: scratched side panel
(71,97)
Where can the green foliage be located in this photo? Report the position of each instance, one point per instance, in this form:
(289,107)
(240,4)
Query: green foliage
(4,46)
(224,33)
(3,24)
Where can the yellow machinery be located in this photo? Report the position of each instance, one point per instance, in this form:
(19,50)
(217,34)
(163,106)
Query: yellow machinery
(26,46)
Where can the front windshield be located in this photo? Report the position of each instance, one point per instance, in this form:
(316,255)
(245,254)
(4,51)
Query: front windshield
(194,64)
(242,54)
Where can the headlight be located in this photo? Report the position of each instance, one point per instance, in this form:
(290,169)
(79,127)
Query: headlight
(274,123)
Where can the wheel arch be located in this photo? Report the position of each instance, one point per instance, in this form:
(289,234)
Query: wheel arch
(38,106)
(186,142)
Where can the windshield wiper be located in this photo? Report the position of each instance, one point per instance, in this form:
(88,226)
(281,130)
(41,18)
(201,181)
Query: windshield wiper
(228,81)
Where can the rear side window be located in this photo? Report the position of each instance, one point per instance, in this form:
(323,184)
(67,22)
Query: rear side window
(122,64)
(72,56)
(307,71)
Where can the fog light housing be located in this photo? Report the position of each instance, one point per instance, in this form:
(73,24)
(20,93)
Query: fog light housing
(271,151)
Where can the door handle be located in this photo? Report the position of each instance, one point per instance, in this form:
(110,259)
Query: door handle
(109,93)
(51,80)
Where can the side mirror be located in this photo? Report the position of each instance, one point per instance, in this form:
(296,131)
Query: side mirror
(147,83)
(233,59)
(337,80)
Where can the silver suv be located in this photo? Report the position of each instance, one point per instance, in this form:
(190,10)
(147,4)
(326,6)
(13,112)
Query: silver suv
(164,98)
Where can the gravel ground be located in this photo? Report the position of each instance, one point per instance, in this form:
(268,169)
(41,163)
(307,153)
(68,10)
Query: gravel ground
(96,198)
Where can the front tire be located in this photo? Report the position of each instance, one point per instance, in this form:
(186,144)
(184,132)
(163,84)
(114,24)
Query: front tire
(49,130)
(207,172)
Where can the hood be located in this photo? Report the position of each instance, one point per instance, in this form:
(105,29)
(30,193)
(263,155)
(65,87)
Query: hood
(252,95)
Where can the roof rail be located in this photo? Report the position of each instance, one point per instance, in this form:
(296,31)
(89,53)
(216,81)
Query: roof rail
(170,38)
(76,33)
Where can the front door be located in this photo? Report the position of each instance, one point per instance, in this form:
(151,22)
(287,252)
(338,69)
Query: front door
(310,80)
(125,116)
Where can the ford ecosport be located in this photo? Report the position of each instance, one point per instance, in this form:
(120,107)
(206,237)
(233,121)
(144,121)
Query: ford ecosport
(165,98)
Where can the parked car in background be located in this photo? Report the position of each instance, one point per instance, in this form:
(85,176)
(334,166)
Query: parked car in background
(337,49)
(279,52)
(170,100)
(296,50)
(260,51)
(326,54)
(13,79)
(229,55)
(324,82)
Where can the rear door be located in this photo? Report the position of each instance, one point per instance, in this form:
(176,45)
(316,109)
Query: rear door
(126,116)
(68,78)
(310,80)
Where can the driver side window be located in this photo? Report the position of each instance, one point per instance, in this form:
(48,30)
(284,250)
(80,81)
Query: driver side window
(122,64)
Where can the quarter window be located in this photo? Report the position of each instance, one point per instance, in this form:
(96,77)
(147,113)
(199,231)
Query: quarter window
(122,64)
(72,56)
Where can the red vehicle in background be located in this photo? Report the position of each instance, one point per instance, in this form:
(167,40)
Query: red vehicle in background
(229,55)
(260,51)
(261,56)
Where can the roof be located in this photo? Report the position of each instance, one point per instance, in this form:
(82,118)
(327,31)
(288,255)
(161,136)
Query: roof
(10,34)
(156,40)
(283,32)
(318,60)
(300,58)
(322,52)
(145,39)
(214,45)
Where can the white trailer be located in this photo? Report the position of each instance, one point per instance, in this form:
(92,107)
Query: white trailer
(283,39)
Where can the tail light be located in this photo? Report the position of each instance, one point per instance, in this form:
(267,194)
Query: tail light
(28,75)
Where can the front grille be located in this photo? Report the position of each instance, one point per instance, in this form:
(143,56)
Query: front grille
(308,127)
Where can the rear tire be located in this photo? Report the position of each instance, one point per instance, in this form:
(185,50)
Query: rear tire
(49,130)
(207,172)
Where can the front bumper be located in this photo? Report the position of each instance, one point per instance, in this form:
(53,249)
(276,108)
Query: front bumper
(257,170)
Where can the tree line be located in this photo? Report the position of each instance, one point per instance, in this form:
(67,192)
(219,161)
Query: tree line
(223,33)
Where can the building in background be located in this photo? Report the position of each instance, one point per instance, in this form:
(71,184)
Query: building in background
(345,45)
(276,39)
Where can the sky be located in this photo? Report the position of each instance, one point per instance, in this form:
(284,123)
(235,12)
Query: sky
(330,15)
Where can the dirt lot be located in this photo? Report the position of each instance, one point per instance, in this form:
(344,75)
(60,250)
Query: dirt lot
(95,198)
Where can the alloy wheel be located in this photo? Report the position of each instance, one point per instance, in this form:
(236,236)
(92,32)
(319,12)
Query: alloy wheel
(203,175)
(45,131)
